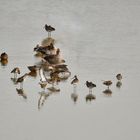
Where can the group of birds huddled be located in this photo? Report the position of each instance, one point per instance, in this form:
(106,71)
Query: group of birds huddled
(52,70)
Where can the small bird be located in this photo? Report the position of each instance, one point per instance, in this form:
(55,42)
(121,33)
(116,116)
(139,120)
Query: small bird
(4,56)
(15,71)
(107,83)
(119,77)
(90,85)
(74,82)
(49,29)
(21,80)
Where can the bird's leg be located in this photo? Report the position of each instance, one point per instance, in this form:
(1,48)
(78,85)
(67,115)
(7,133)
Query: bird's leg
(48,34)
(108,87)
(14,75)
(74,88)
(90,91)
(21,85)
(44,89)
(53,84)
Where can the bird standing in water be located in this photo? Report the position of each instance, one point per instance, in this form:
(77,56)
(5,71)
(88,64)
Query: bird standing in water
(21,80)
(74,82)
(15,71)
(49,29)
(119,77)
(4,56)
(107,83)
(90,85)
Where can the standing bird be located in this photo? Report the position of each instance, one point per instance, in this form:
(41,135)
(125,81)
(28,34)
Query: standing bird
(49,29)
(15,71)
(21,80)
(74,82)
(119,77)
(4,56)
(107,83)
(90,85)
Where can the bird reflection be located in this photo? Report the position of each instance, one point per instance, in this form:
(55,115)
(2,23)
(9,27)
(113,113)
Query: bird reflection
(4,62)
(21,93)
(42,98)
(119,84)
(90,97)
(107,92)
(14,80)
(74,97)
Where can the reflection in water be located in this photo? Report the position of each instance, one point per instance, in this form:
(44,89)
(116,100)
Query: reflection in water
(119,84)
(42,98)
(53,89)
(4,62)
(74,97)
(90,97)
(21,93)
(14,80)
(108,92)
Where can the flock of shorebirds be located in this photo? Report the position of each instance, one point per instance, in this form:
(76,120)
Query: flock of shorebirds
(52,69)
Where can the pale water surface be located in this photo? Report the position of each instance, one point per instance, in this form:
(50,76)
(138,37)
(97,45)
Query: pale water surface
(98,39)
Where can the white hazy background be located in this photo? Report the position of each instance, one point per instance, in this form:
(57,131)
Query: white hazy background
(98,39)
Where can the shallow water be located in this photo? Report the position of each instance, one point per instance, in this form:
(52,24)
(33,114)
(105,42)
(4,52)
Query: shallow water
(98,40)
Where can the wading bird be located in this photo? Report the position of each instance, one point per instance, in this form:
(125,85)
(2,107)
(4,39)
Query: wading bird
(49,29)
(90,85)
(107,83)
(21,80)
(74,82)
(119,77)
(15,71)
(4,56)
